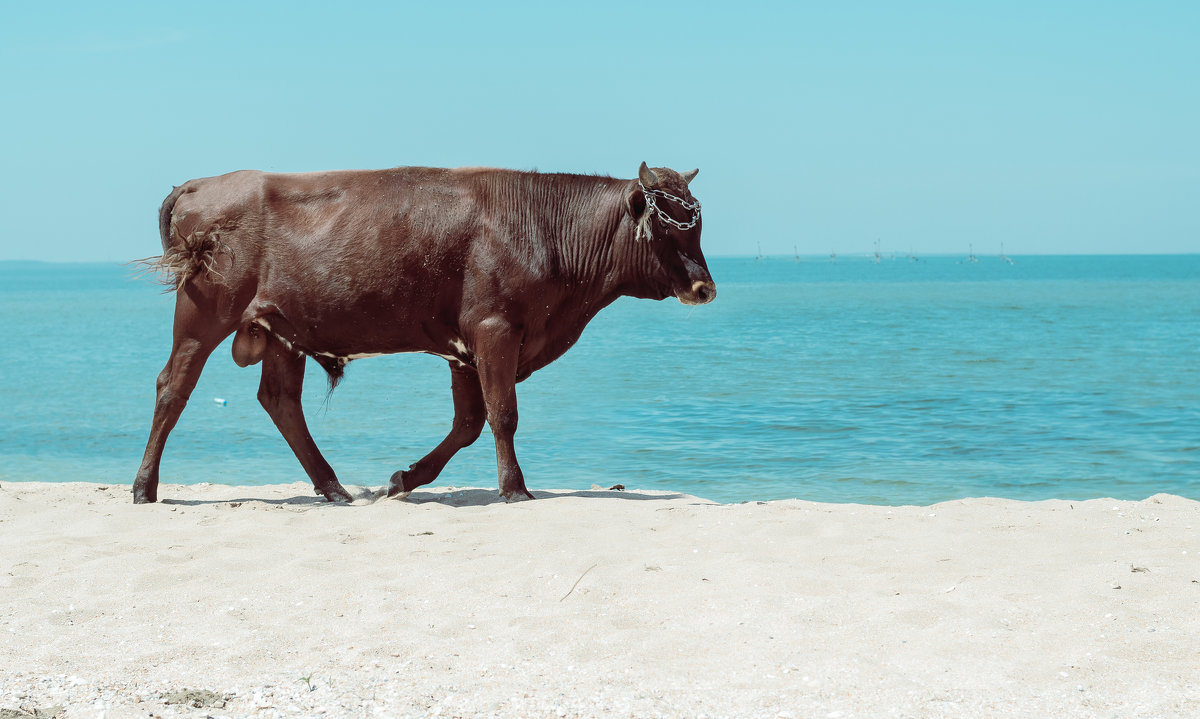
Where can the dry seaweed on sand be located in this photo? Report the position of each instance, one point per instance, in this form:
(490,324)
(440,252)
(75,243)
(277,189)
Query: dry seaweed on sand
(196,698)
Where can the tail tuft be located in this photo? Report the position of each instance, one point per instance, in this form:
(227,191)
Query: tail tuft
(184,256)
(189,256)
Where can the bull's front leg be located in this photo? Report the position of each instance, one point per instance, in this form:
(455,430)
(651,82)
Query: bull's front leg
(497,350)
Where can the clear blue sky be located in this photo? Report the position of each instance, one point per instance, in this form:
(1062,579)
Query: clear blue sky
(1069,127)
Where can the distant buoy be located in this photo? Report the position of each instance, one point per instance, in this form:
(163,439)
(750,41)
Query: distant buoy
(220,401)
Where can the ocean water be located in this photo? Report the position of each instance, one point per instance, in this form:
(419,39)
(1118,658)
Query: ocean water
(893,383)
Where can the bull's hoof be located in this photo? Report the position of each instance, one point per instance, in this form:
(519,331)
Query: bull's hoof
(516,495)
(141,495)
(396,488)
(335,493)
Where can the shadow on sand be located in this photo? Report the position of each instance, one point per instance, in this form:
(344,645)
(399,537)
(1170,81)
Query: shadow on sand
(482,497)
(450,497)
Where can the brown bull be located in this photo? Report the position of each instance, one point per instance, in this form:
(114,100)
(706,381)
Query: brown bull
(497,271)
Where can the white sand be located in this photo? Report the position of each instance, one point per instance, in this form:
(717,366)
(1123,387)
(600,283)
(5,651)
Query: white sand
(591,604)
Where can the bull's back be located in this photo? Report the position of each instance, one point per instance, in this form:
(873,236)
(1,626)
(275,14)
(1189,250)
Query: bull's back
(329,215)
(350,257)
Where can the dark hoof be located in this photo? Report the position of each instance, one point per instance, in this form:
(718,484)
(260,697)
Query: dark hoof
(517,495)
(336,493)
(396,486)
(144,496)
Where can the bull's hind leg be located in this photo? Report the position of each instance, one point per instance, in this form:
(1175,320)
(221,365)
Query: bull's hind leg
(175,385)
(469,416)
(279,394)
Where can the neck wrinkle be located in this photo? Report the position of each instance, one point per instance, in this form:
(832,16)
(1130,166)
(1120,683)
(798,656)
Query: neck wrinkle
(599,256)
(589,252)
(636,265)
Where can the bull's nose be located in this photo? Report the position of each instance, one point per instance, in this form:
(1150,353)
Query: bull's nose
(702,293)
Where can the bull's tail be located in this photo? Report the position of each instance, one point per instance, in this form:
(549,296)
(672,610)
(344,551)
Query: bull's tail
(184,256)
(164,217)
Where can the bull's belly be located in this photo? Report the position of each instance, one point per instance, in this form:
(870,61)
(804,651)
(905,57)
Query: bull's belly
(346,344)
(331,333)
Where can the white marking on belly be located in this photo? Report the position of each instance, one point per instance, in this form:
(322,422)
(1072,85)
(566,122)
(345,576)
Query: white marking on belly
(267,326)
(359,355)
(457,361)
(345,358)
(459,345)
(285,343)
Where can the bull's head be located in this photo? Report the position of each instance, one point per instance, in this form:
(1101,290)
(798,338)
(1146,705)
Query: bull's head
(668,218)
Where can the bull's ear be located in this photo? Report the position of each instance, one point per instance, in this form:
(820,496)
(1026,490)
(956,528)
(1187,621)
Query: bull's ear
(690,175)
(635,202)
(647,176)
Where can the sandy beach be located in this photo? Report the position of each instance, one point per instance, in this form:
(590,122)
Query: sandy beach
(264,601)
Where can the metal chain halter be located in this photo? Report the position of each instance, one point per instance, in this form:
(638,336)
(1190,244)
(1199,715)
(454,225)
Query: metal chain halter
(651,204)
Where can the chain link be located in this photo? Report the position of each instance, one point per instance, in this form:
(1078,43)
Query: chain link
(652,204)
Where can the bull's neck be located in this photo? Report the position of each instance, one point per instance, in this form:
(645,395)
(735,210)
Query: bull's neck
(636,270)
(609,262)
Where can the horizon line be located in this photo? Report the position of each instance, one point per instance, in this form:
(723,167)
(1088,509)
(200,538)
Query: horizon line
(750,256)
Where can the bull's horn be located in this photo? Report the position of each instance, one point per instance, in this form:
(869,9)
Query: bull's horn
(690,175)
(647,176)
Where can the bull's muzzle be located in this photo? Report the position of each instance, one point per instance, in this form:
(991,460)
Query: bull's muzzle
(701,293)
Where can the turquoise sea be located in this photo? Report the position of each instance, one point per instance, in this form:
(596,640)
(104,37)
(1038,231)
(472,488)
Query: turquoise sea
(896,382)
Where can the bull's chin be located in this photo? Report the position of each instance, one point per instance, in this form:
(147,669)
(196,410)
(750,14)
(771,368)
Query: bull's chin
(700,293)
